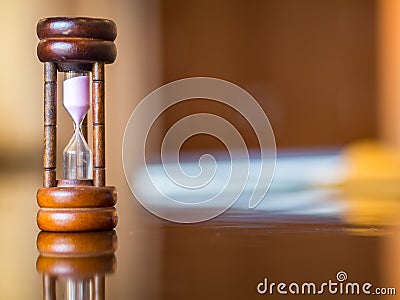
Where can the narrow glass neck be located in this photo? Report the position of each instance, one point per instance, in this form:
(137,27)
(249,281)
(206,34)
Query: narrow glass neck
(77,127)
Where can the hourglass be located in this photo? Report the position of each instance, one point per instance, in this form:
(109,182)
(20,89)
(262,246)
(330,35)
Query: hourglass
(79,48)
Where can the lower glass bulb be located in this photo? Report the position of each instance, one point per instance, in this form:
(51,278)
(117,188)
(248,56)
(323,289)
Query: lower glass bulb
(77,158)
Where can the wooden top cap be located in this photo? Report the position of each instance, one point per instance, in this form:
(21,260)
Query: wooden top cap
(76,40)
(59,27)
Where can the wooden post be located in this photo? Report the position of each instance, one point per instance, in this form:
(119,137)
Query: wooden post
(50,125)
(99,172)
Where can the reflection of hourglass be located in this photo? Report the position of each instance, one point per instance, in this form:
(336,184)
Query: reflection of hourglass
(74,265)
(81,201)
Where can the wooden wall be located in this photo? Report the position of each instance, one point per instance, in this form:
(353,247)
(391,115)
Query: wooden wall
(311,64)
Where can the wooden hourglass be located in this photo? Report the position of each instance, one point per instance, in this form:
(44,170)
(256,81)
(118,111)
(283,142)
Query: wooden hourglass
(80,201)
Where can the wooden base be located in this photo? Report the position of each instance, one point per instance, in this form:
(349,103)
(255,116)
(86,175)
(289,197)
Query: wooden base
(76,207)
(77,197)
(77,219)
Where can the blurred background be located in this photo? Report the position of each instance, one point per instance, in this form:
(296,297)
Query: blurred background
(326,73)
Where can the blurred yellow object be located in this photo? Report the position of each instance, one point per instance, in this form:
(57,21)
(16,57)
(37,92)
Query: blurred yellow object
(372,184)
(369,160)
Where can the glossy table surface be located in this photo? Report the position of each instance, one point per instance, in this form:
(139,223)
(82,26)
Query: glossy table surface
(224,258)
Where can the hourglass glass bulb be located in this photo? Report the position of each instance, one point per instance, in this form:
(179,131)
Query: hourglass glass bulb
(77,156)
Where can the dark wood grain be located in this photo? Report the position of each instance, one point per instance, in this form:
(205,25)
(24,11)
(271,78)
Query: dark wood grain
(99,144)
(50,123)
(50,143)
(94,28)
(99,174)
(49,177)
(78,50)
(98,107)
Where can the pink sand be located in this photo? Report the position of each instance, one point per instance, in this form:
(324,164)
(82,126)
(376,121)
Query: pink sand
(76,98)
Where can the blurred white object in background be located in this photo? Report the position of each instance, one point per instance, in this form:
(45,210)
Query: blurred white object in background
(298,187)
